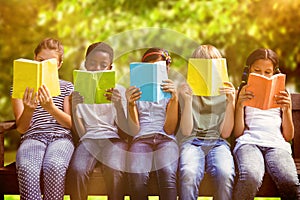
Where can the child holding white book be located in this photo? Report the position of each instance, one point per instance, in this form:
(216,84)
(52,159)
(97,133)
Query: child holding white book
(99,127)
(263,136)
(206,123)
(153,148)
(46,142)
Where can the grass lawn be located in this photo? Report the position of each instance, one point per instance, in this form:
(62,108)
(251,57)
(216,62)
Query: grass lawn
(16,197)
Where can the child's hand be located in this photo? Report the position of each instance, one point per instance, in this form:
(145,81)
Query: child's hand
(168,86)
(30,100)
(45,98)
(284,100)
(229,91)
(244,96)
(76,98)
(133,94)
(186,92)
(113,95)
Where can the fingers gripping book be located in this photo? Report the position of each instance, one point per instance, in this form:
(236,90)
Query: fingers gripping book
(33,74)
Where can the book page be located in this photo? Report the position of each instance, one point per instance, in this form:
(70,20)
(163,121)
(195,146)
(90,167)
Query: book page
(50,76)
(206,76)
(31,73)
(264,90)
(92,85)
(105,81)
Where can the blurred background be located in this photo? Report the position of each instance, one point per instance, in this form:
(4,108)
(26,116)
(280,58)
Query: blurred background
(236,27)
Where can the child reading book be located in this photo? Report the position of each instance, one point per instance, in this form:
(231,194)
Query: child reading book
(263,135)
(46,143)
(97,125)
(206,122)
(153,126)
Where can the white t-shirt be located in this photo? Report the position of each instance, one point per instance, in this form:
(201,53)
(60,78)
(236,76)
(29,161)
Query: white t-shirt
(100,119)
(264,129)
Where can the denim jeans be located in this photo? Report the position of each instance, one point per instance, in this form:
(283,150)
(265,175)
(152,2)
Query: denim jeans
(48,155)
(252,161)
(211,156)
(111,152)
(153,154)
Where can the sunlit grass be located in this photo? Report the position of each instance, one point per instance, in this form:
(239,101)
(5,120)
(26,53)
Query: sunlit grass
(17,197)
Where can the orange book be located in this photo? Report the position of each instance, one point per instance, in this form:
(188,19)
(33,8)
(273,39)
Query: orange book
(264,90)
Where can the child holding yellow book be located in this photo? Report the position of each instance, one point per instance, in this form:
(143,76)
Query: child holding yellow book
(263,135)
(206,122)
(46,142)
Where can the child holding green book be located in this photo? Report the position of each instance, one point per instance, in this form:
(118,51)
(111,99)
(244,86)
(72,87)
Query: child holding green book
(99,127)
(46,142)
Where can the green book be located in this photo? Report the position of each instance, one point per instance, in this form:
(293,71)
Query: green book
(92,85)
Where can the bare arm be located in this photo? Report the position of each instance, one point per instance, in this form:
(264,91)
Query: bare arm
(172,107)
(23,109)
(284,99)
(132,95)
(228,122)
(186,122)
(77,124)
(239,122)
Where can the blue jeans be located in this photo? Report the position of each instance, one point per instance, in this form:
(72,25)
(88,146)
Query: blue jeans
(153,154)
(211,156)
(49,155)
(252,161)
(111,153)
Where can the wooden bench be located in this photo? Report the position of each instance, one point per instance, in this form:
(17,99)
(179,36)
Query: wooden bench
(9,184)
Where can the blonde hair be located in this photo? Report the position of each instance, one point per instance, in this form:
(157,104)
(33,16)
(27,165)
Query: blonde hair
(206,52)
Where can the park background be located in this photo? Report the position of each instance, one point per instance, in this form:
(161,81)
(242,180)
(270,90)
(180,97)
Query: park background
(236,27)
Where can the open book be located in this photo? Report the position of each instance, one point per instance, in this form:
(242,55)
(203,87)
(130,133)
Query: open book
(92,85)
(33,74)
(264,89)
(149,77)
(206,76)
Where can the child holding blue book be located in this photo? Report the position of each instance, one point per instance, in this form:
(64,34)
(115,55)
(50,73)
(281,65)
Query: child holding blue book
(99,127)
(153,148)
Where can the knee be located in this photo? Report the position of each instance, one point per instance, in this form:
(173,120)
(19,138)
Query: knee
(188,176)
(252,175)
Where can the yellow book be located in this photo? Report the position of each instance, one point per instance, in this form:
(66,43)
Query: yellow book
(33,74)
(206,76)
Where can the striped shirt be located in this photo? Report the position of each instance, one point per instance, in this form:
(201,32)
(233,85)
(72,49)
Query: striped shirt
(42,122)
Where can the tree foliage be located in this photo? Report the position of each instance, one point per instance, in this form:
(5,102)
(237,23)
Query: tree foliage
(235,27)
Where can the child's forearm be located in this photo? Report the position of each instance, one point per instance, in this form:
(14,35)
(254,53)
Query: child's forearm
(186,122)
(239,124)
(133,120)
(171,116)
(228,122)
(287,125)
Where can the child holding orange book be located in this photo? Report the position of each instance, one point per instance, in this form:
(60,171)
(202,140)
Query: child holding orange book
(263,136)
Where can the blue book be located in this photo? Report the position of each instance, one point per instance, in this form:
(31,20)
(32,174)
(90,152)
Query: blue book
(149,77)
